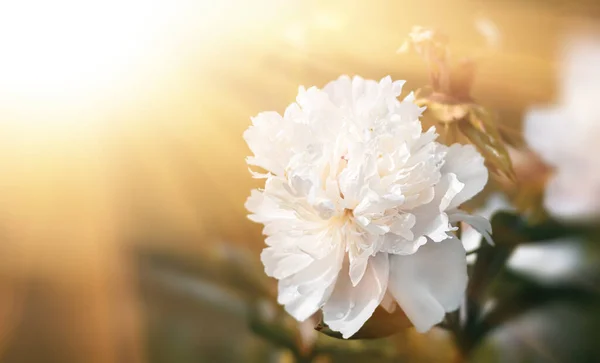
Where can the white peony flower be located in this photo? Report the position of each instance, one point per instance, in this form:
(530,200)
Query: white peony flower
(359,205)
(567,135)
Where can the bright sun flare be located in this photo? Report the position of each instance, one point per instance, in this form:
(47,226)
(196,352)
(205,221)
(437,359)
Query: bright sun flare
(66,49)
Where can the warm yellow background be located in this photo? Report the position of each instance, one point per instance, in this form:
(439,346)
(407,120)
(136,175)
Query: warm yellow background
(152,151)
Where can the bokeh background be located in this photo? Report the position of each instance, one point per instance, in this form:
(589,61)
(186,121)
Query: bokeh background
(122,159)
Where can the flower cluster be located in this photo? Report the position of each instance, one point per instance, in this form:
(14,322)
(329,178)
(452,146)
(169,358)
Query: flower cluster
(360,205)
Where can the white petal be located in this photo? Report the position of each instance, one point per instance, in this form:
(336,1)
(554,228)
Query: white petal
(302,307)
(267,155)
(402,225)
(397,89)
(467,164)
(431,220)
(305,292)
(453,188)
(398,245)
(265,209)
(350,307)
(479,223)
(438,228)
(321,273)
(281,263)
(358,267)
(401,239)
(340,91)
(257,175)
(389,303)
(430,282)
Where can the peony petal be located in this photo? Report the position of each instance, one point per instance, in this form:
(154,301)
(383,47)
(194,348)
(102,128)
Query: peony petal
(431,220)
(438,227)
(401,239)
(266,126)
(400,246)
(281,263)
(453,188)
(479,223)
(302,307)
(305,292)
(264,209)
(340,91)
(321,273)
(389,303)
(468,165)
(350,307)
(403,224)
(430,282)
(357,268)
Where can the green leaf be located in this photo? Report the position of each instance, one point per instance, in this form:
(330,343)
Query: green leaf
(516,295)
(535,323)
(511,230)
(491,259)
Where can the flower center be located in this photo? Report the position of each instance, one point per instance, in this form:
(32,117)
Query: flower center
(342,219)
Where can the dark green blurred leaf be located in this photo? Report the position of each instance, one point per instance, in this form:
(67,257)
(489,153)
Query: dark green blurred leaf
(515,296)
(511,229)
(541,325)
(492,259)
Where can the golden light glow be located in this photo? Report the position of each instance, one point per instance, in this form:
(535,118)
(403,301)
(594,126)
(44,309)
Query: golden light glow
(124,118)
(65,50)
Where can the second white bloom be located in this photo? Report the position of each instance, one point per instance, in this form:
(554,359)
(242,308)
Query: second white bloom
(360,205)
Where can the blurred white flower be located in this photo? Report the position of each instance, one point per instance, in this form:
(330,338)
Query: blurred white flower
(359,205)
(567,136)
(552,262)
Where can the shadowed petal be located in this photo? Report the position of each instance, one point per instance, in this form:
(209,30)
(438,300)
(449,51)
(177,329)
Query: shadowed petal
(281,263)
(430,282)
(305,292)
(431,219)
(479,223)
(350,307)
(467,164)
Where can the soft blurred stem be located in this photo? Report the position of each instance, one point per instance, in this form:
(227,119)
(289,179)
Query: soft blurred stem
(509,231)
(452,323)
(278,335)
(460,334)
